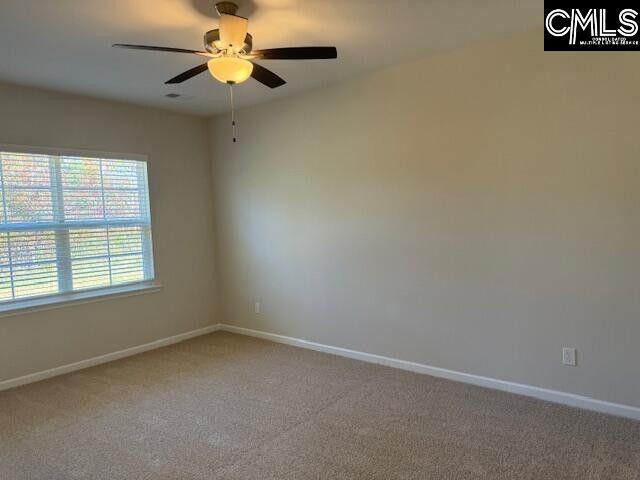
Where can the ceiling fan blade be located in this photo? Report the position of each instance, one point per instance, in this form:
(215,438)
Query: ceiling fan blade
(161,49)
(188,74)
(266,76)
(233,31)
(295,53)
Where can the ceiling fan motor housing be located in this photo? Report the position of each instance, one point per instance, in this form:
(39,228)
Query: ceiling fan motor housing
(213,36)
(229,8)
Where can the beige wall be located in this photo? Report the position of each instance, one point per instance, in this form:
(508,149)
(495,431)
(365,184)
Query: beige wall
(180,192)
(475,211)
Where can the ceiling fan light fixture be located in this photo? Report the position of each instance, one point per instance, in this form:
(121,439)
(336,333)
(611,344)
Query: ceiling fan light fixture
(232,70)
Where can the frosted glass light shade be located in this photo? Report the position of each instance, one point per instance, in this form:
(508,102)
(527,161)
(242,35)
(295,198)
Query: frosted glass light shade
(230,69)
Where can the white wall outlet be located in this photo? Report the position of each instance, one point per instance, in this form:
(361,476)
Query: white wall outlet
(569,356)
(257,308)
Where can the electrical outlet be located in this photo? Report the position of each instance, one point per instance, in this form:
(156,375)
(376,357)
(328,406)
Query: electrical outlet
(257,308)
(569,356)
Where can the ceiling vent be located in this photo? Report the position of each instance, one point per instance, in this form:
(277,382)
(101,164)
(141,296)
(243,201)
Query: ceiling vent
(172,95)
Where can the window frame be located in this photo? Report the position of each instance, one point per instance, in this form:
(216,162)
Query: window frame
(61,298)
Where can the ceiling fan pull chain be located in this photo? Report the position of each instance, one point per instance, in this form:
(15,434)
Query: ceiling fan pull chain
(233,113)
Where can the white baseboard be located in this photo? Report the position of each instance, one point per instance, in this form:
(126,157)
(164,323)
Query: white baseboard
(556,396)
(108,357)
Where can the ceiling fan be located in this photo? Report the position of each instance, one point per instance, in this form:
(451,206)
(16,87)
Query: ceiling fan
(230,53)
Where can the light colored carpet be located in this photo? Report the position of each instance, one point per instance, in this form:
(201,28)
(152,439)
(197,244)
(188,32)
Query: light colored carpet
(229,407)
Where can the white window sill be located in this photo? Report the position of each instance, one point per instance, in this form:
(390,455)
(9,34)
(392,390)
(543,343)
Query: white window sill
(74,298)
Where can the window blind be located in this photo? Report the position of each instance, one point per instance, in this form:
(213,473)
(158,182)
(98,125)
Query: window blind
(70,223)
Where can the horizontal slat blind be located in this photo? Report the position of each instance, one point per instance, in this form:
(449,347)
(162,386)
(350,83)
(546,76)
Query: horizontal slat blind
(70,223)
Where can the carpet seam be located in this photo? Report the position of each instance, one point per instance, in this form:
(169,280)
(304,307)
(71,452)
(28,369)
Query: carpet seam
(276,436)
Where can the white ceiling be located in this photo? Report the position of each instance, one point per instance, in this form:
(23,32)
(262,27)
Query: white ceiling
(66,44)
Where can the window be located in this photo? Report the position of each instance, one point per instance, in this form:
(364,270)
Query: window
(70,223)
